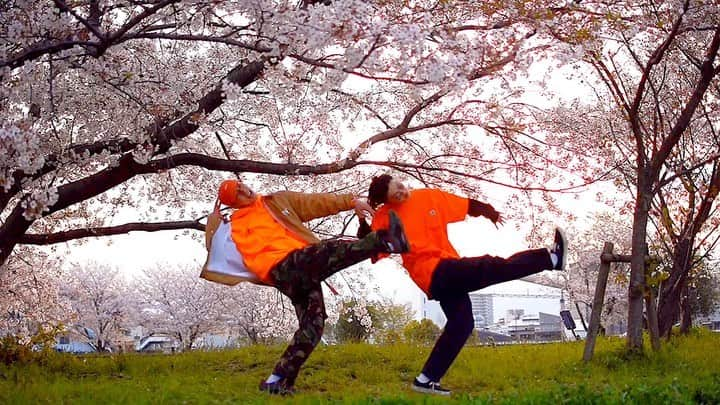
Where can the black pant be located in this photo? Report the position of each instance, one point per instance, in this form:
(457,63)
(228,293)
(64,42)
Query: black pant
(453,279)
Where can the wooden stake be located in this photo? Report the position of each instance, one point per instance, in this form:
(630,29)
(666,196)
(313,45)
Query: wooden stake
(598,301)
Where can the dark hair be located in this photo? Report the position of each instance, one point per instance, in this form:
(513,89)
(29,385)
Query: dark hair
(377,194)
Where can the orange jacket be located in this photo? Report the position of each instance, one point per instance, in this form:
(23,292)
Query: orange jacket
(425,216)
(266,231)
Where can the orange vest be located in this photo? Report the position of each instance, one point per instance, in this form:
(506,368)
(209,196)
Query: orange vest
(261,239)
(425,216)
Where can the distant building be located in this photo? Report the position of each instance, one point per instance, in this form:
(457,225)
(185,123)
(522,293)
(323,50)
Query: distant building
(157,344)
(539,327)
(493,302)
(711,321)
(66,344)
(482,308)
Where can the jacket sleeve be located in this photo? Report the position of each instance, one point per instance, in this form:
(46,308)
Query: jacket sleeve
(213,222)
(317,205)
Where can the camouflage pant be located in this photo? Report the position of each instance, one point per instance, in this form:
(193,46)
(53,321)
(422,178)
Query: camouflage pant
(298,276)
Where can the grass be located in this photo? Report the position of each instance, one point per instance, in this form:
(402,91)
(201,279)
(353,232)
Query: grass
(685,371)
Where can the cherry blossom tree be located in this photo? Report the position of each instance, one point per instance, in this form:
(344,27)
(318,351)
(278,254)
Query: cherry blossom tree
(30,299)
(259,313)
(685,212)
(355,323)
(174,301)
(581,278)
(112,107)
(655,63)
(98,301)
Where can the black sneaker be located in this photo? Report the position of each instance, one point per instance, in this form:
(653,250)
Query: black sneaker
(559,248)
(430,387)
(276,388)
(394,238)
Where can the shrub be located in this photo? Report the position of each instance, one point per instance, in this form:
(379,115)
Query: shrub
(422,332)
(24,349)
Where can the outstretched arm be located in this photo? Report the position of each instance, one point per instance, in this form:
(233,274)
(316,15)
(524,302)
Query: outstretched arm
(308,206)
(477,208)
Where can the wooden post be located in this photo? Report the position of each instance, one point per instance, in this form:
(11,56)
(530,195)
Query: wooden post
(598,301)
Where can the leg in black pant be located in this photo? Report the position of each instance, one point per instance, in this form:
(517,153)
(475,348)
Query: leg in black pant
(458,328)
(455,276)
(453,279)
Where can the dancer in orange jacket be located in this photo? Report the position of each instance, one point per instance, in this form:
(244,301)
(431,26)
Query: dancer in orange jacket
(438,269)
(279,251)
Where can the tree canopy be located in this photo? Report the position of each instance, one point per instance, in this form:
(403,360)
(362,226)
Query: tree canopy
(110,107)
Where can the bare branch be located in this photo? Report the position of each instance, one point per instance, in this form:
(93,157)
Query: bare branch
(64,236)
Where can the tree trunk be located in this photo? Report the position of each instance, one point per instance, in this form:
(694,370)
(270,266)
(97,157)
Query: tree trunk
(637,268)
(673,287)
(669,304)
(686,318)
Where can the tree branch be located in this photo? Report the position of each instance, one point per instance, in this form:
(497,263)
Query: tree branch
(707,72)
(241,75)
(64,236)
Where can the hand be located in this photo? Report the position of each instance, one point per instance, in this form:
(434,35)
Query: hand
(362,208)
(498,219)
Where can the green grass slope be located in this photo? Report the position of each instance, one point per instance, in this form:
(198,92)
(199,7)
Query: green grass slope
(685,371)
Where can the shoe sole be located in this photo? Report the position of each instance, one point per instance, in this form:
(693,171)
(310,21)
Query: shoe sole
(564,250)
(430,391)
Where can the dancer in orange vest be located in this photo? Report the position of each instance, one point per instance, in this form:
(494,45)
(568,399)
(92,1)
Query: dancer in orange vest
(279,251)
(438,269)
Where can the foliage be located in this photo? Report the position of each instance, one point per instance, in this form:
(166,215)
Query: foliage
(704,288)
(111,107)
(25,349)
(389,320)
(681,373)
(355,322)
(380,320)
(423,332)
(135,97)
(31,293)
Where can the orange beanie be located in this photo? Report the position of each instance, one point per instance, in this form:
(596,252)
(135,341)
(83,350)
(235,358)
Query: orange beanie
(228,192)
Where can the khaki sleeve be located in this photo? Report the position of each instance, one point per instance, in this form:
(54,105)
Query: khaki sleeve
(317,205)
(213,222)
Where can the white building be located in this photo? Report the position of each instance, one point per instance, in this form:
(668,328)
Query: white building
(534,327)
(531,298)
